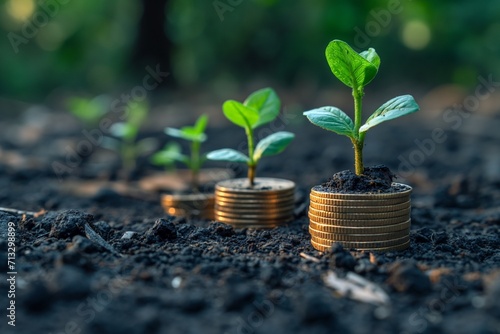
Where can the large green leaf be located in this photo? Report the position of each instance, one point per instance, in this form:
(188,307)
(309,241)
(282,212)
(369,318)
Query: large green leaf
(331,119)
(239,114)
(227,154)
(394,108)
(353,69)
(267,103)
(272,144)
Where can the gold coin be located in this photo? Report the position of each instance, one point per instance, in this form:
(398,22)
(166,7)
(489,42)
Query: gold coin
(245,210)
(359,237)
(359,230)
(364,245)
(362,209)
(272,198)
(325,217)
(315,191)
(261,215)
(270,201)
(359,216)
(324,248)
(255,222)
(262,185)
(357,203)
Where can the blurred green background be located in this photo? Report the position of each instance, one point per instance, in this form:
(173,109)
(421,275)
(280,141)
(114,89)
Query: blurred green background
(93,47)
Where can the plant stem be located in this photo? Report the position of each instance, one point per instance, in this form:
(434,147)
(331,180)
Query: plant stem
(128,156)
(358,141)
(195,165)
(251,163)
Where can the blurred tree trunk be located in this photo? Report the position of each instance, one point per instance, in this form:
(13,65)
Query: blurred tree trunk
(152,46)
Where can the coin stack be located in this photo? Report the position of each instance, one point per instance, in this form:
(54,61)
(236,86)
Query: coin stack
(377,222)
(192,205)
(269,203)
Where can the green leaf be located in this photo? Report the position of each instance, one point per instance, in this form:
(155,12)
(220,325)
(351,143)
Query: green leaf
(331,119)
(394,108)
(125,131)
(136,113)
(201,124)
(372,56)
(227,154)
(267,103)
(89,110)
(239,114)
(170,153)
(273,144)
(187,133)
(350,67)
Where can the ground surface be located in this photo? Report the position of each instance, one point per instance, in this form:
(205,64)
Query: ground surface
(193,276)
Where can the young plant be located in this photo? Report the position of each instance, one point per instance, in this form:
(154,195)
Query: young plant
(172,152)
(127,131)
(356,70)
(260,108)
(89,111)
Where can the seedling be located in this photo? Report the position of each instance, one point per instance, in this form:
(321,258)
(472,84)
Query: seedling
(127,131)
(356,70)
(260,108)
(172,152)
(89,111)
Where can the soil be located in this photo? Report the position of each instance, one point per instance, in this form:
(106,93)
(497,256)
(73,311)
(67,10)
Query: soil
(374,180)
(112,263)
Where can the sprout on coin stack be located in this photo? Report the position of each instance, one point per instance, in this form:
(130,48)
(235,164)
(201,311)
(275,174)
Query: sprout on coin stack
(365,209)
(254,202)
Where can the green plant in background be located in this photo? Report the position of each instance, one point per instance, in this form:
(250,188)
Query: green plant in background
(89,111)
(172,151)
(260,108)
(127,131)
(356,70)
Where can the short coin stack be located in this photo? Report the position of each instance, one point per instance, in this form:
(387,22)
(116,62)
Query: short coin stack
(192,205)
(269,203)
(378,222)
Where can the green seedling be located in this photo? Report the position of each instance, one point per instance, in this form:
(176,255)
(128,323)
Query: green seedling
(172,151)
(356,70)
(89,111)
(260,108)
(127,131)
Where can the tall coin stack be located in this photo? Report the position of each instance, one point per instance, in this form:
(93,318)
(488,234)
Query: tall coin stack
(377,222)
(269,204)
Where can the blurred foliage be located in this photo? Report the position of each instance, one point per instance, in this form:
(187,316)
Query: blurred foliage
(87,45)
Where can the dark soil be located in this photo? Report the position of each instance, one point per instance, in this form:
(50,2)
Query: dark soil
(374,180)
(110,263)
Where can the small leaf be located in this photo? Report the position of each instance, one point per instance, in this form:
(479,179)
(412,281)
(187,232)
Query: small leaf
(187,133)
(201,124)
(394,108)
(170,153)
(136,113)
(227,154)
(123,130)
(331,119)
(273,144)
(353,69)
(239,114)
(267,103)
(372,56)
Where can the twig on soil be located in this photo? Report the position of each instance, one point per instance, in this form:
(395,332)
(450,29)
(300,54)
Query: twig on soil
(309,257)
(95,237)
(21,212)
(357,288)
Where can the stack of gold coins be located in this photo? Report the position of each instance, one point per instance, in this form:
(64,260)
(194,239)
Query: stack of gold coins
(267,204)
(377,222)
(191,205)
